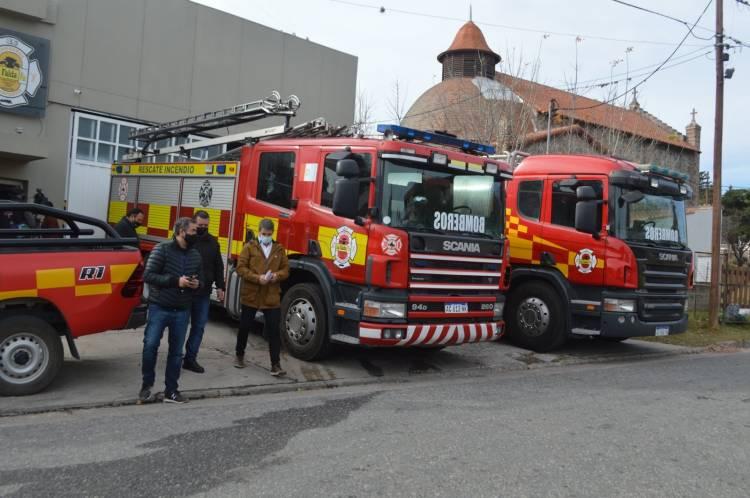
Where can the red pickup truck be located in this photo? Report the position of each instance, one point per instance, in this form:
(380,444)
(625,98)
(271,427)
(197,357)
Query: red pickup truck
(74,277)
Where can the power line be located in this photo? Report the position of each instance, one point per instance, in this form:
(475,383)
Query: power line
(666,16)
(658,68)
(382,9)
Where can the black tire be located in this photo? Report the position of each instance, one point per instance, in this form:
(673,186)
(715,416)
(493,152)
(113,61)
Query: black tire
(31,354)
(535,317)
(304,326)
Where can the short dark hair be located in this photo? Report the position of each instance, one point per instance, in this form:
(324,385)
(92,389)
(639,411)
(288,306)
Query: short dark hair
(265,224)
(134,212)
(200,214)
(182,224)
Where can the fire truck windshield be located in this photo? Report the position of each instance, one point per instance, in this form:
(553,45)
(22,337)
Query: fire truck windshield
(441,200)
(652,219)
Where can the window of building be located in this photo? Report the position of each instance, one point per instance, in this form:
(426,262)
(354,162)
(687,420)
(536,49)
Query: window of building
(564,200)
(275,178)
(105,140)
(330,177)
(530,198)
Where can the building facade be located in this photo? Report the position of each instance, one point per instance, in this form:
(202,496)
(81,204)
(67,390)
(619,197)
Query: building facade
(476,102)
(76,76)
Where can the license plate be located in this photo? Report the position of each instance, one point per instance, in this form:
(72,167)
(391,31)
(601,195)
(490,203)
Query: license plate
(456,307)
(662,330)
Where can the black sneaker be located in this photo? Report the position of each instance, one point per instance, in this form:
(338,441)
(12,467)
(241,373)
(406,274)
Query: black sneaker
(145,395)
(174,397)
(193,366)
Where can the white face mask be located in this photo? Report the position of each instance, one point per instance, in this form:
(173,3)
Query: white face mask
(265,239)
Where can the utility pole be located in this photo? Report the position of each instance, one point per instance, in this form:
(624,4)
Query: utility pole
(714,300)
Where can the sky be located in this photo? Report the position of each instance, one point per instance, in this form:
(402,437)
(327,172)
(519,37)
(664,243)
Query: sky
(553,42)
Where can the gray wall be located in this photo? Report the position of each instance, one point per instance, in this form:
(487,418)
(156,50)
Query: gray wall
(157,60)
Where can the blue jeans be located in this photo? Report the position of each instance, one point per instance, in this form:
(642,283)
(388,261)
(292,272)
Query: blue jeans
(160,318)
(198,320)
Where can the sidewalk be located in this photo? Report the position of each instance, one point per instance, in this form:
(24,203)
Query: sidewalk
(108,373)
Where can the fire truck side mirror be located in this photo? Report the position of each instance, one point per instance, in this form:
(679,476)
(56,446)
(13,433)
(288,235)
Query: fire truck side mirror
(347,168)
(586,217)
(346,197)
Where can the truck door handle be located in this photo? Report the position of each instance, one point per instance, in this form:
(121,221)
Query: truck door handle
(283,214)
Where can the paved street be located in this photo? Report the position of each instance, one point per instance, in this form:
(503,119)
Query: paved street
(108,373)
(676,426)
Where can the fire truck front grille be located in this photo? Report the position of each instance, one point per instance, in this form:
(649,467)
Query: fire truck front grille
(664,278)
(661,309)
(436,273)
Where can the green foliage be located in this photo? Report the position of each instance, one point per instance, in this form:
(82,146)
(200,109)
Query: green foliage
(736,206)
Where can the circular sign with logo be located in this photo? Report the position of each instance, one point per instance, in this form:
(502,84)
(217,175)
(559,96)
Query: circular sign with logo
(391,244)
(343,247)
(585,261)
(205,193)
(20,76)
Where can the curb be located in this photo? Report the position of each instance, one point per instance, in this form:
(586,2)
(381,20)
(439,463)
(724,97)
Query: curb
(249,390)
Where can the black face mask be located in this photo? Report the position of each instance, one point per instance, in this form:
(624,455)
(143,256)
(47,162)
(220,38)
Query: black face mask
(136,224)
(201,231)
(191,238)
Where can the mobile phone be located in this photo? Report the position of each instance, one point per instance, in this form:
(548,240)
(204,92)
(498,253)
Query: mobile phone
(193,277)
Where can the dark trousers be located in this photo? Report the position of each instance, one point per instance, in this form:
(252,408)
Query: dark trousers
(198,319)
(159,318)
(272,317)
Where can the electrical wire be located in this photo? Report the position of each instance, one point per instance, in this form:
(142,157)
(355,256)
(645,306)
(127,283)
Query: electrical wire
(666,16)
(503,26)
(658,68)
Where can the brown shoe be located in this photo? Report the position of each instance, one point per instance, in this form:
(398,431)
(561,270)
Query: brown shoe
(277,371)
(239,361)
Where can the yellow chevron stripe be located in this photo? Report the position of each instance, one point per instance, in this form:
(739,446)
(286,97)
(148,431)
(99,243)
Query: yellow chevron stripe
(18,293)
(93,290)
(120,273)
(55,278)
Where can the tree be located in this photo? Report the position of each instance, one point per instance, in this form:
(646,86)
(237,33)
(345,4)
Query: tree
(362,114)
(736,204)
(397,102)
(705,188)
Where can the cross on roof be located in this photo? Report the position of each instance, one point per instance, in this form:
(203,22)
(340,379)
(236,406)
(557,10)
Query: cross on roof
(693,114)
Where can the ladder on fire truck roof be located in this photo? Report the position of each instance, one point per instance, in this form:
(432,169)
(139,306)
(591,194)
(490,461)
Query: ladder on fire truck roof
(231,116)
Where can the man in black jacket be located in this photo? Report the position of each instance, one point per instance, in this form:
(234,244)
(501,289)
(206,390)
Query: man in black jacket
(127,225)
(213,271)
(173,274)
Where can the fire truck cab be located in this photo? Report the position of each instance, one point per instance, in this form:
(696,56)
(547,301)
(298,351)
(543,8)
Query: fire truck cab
(598,248)
(396,241)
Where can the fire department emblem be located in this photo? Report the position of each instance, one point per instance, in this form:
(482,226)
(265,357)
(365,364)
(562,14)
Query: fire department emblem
(343,247)
(391,244)
(122,191)
(585,261)
(20,77)
(205,193)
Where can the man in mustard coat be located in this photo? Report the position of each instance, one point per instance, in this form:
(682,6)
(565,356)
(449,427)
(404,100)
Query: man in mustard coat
(262,265)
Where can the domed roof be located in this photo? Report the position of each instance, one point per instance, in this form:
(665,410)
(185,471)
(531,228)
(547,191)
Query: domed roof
(469,38)
(470,108)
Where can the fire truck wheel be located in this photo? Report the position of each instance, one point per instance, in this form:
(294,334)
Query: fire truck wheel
(31,354)
(535,317)
(303,322)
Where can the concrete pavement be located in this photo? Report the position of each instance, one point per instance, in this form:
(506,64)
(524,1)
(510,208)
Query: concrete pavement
(676,426)
(108,373)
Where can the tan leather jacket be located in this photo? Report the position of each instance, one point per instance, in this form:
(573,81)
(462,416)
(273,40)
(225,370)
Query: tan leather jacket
(251,265)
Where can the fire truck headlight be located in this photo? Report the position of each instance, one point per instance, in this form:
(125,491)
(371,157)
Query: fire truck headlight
(619,305)
(377,309)
(498,310)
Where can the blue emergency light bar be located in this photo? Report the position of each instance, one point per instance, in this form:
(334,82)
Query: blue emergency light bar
(436,138)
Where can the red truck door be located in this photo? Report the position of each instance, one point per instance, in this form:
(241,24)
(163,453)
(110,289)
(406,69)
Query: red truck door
(579,256)
(271,180)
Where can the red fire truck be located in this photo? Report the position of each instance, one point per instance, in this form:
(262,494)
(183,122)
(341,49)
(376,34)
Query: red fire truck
(598,248)
(392,242)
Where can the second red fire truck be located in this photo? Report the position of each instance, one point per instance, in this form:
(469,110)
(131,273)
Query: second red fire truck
(392,242)
(598,248)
